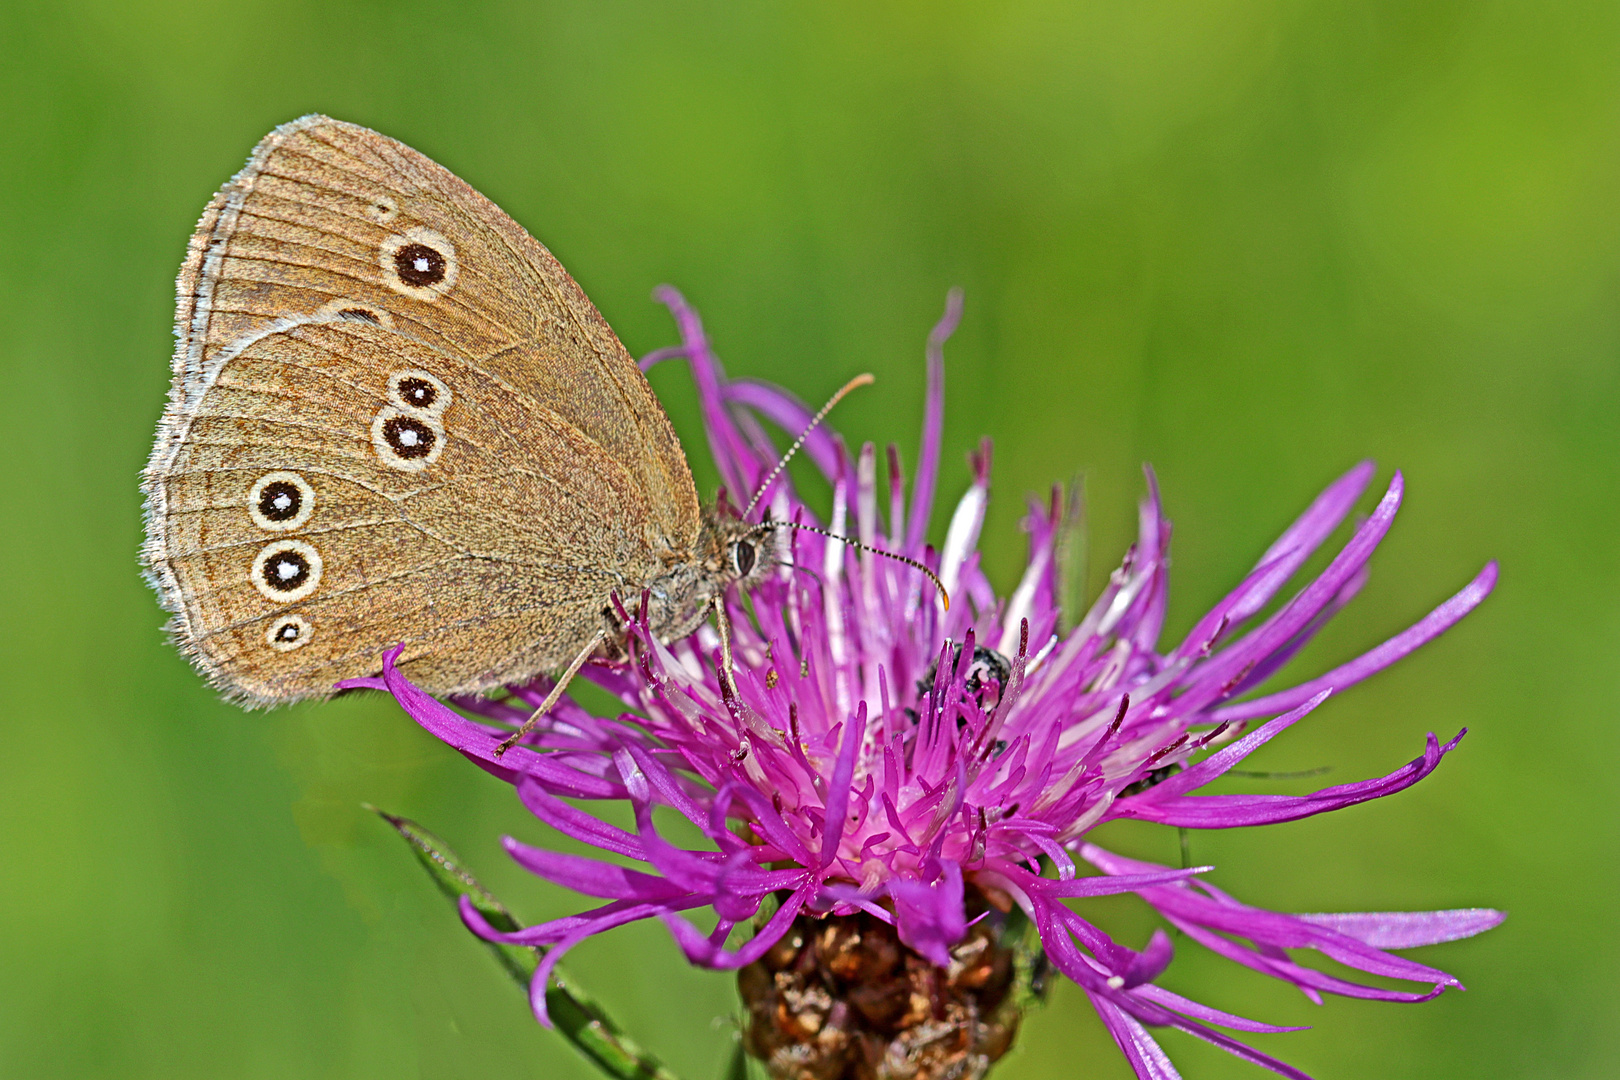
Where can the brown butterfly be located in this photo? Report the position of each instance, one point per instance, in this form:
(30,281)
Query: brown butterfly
(396,418)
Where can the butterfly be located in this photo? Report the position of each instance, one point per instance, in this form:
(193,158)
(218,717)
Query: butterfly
(395,419)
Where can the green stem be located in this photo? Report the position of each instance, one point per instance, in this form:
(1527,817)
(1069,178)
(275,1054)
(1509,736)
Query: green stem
(577,1016)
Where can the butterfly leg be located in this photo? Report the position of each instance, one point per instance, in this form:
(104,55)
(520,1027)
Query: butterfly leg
(556,692)
(723,624)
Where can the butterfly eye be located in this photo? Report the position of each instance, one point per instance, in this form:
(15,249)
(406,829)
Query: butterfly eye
(742,557)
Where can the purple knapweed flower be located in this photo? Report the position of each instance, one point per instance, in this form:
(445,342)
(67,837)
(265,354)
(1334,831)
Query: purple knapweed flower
(888,758)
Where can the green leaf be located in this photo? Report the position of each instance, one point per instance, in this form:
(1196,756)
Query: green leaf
(577,1016)
(737,1067)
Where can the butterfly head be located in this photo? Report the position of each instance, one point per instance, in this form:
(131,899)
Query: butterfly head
(737,552)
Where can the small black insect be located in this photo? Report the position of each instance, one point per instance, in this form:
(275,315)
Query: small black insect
(987,666)
(1152,779)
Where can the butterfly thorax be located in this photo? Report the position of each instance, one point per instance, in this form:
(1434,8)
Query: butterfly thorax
(728,552)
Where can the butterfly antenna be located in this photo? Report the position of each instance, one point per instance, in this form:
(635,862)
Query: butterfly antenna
(766,526)
(859,380)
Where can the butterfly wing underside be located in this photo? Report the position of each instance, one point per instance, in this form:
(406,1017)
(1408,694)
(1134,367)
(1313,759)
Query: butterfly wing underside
(394,418)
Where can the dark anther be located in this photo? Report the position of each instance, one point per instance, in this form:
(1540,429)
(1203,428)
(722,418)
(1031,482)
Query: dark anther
(409,438)
(418,392)
(419,265)
(280,501)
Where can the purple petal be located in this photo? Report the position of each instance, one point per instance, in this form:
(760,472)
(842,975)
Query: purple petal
(1307,979)
(922,488)
(590,876)
(1143,1054)
(1150,963)
(658,356)
(1187,907)
(478,743)
(1213,679)
(1143,624)
(1233,811)
(1108,884)
(542,973)
(1187,1007)
(931,918)
(730,450)
(705,953)
(576,823)
(1409,929)
(1241,1051)
(838,787)
(664,784)
(1305,535)
(594,921)
(1428,628)
(1217,764)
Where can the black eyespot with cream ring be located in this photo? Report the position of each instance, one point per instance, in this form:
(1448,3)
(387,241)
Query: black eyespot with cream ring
(287,570)
(288,633)
(742,557)
(420,264)
(419,393)
(409,437)
(407,441)
(280,501)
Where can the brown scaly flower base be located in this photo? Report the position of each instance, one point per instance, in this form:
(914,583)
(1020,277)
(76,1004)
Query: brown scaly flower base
(840,998)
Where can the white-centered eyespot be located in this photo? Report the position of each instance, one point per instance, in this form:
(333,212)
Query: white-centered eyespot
(418,393)
(346,310)
(287,570)
(421,263)
(280,501)
(289,632)
(409,442)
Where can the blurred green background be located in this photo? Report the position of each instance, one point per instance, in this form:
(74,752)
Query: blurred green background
(1251,242)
